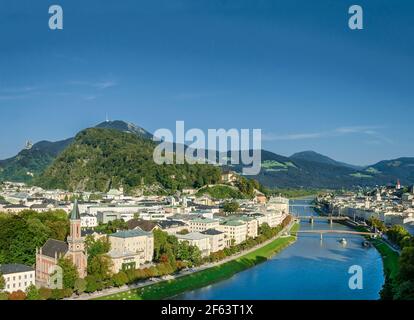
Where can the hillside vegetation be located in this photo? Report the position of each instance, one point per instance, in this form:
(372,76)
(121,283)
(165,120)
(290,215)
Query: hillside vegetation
(100,159)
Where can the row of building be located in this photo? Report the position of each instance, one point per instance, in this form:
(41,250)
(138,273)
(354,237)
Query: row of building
(133,248)
(392,204)
(196,220)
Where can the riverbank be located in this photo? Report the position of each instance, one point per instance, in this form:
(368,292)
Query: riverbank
(390,257)
(168,289)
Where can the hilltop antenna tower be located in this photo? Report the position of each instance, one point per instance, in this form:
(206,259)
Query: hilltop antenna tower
(28,145)
(107,119)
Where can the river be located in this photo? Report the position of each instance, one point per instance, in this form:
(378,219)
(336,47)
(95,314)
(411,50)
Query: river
(310,269)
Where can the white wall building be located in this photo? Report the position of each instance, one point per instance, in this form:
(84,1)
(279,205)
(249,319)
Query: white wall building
(88,221)
(17,277)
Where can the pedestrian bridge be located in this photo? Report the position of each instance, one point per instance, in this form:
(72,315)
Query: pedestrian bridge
(322,232)
(330,219)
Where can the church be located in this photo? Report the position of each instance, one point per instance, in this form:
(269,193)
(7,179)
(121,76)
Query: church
(47,257)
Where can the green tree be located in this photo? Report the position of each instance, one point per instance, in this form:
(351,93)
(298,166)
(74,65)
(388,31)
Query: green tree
(405,291)
(96,247)
(399,235)
(183,252)
(95,196)
(195,255)
(22,233)
(120,279)
(407,264)
(70,273)
(187,252)
(91,284)
(100,267)
(387,292)
(112,226)
(165,246)
(2,282)
(231,207)
(32,293)
(45,293)
(80,286)
(377,223)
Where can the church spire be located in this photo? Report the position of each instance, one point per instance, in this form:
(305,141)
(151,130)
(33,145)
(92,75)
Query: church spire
(74,215)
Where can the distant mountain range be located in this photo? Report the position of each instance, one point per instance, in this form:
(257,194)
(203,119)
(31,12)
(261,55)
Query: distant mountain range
(320,158)
(311,170)
(45,161)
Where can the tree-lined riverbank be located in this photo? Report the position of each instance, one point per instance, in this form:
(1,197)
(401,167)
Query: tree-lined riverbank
(168,289)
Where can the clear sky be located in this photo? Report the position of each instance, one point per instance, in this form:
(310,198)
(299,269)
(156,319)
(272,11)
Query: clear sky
(292,68)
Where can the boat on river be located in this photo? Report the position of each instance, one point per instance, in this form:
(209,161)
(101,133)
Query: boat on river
(366,244)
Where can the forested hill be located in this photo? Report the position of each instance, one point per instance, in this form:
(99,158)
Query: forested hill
(31,162)
(100,159)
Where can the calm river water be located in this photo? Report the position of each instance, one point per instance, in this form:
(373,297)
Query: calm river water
(309,269)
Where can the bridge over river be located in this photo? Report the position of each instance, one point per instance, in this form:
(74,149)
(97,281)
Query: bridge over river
(322,232)
(330,219)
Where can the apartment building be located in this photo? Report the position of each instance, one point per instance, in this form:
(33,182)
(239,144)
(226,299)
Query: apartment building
(130,249)
(200,224)
(17,277)
(202,241)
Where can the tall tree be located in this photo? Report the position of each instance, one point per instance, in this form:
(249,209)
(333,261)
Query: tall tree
(2,282)
(100,267)
(70,273)
(32,293)
(96,247)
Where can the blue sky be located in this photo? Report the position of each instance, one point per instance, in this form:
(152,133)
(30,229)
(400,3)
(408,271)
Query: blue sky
(292,68)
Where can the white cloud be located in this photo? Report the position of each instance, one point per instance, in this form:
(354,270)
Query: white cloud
(101,85)
(16,93)
(293,136)
(371,131)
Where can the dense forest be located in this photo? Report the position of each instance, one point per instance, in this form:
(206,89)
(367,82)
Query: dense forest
(22,233)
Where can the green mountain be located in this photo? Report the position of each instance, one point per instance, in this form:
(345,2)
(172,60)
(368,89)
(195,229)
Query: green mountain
(100,159)
(401,168)
(29,163)
(317,157)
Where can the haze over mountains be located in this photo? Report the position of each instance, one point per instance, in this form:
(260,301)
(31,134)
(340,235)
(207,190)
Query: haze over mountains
(304,169)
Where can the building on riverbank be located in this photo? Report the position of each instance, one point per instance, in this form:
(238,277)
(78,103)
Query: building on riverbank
(131,249)
(217,240)
(201,241)
(391,205)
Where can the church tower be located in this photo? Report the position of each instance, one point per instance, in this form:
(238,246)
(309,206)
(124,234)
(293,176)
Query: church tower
(76,242)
